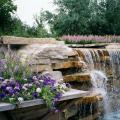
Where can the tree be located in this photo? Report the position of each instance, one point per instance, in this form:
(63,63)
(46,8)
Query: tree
(72,18)
(7,8)
(98,24)
(113,16)
(75,17)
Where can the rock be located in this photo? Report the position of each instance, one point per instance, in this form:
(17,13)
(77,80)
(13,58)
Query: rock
(69,64)
(41,68)
(12,40)
(56,75)
(48,51)
(78,77)
(41,61)
(113,46)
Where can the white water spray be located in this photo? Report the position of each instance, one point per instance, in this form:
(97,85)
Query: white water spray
(99,82)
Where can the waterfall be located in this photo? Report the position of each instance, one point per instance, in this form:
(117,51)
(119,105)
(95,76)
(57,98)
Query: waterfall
(99,83)
(115,62)
(88,58)
(102,63)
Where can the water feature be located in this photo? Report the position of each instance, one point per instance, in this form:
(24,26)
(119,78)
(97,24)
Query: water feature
(103,62)
(99,82)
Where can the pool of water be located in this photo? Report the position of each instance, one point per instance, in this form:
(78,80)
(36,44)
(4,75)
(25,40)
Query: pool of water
(112,116)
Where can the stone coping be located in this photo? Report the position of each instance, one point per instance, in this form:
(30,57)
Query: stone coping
(12,40)
(71,94)
(100,45)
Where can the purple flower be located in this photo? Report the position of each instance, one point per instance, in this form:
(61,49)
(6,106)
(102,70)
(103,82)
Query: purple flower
(57,111)
(34,78)
(49,81)
(3,87)
(35,95)
(2,95)
(12,83)
(17,89)
(10,90)
(58,96)
(68,85)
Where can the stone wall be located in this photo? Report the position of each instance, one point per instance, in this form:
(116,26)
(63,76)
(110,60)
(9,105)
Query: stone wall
(65,64)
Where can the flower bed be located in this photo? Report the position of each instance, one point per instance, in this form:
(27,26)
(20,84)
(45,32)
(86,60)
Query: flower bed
(18,83)
(80,39)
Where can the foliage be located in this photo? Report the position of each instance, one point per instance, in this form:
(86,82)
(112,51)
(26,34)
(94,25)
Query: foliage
(10,25)
(11,66)
(75,17)
(18,84)
(89,39)
(7,8)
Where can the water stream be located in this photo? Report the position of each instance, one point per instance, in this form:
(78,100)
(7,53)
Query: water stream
(104,65)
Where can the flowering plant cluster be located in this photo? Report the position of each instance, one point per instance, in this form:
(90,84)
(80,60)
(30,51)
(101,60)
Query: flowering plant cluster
(80,39)
(18,84)
(37,86)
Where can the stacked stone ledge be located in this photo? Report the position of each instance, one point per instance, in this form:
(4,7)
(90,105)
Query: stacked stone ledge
(62,62)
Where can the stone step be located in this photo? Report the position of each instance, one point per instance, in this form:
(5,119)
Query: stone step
(71,94)
(65,65)
(78,77)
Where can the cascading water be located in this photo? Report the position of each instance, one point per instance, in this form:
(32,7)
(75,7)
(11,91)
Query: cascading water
(106,61)
(88,58)
(99,82)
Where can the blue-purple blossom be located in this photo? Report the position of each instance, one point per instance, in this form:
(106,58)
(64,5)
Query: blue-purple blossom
(2,95)
(58,96)
(17,89)
(3,87)
(49,81)
(35,95)
(68,85)
(10,90)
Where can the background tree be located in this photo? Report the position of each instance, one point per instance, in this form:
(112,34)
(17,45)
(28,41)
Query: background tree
(97,17)
(113,16)
(7,8)
(73,15)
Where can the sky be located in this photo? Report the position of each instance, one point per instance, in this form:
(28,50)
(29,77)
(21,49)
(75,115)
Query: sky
(27,9)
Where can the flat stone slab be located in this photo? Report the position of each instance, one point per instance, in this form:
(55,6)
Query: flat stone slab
(100,45)
(71,94)
(78,77)
(12,40)
(65,65)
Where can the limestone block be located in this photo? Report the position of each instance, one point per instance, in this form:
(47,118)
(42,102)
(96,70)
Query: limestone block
(41,68)
(69,64)
(56,75)
(23,41)
(85,77)
(41,61)
(113,46)
(48,51)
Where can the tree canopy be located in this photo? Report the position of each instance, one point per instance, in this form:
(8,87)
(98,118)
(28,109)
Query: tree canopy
(73,17)
(7,8)
(97,17)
